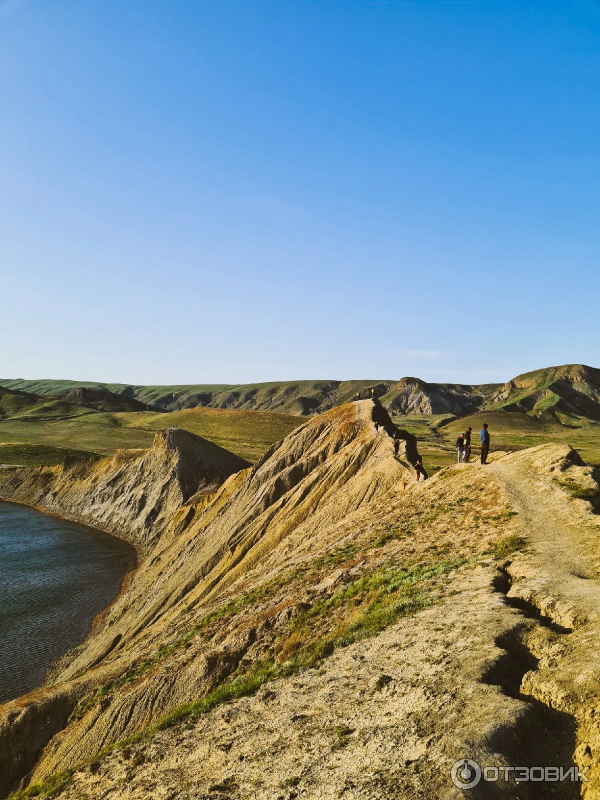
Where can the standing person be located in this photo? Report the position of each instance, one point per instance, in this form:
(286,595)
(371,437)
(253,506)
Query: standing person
(485,443)
(420,470)
(460,447)
(376,427)
(468,444)
(396,445)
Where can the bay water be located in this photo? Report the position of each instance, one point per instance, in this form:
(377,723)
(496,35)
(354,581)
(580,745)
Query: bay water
(55,576)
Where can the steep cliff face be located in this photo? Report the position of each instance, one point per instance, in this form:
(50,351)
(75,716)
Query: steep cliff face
(299,499)
(415,396)
(133,494)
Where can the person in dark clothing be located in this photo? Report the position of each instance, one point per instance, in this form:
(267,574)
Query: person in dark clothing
(376,427)
(420,470)
(468,444)
(460,447)
(485,443)
(396,445)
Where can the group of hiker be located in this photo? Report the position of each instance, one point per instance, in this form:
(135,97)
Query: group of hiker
(463,448)
(419,468)
(463,445)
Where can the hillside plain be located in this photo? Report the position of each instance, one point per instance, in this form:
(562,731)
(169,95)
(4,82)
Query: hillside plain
(49,441)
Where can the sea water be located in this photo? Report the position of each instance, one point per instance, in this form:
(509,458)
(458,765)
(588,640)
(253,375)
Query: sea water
(55,576)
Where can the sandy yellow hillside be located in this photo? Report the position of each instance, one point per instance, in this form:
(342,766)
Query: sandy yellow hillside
(322,626)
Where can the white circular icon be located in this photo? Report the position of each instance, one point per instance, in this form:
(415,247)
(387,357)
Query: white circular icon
(465,773)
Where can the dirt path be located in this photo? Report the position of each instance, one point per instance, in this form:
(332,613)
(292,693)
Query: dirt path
(556,581)
(563,542)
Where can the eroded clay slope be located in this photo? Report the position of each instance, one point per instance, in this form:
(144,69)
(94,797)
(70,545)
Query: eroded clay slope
(458,619)
(291,502)
(134,493)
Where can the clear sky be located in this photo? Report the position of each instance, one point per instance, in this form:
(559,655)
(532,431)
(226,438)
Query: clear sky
(239,191)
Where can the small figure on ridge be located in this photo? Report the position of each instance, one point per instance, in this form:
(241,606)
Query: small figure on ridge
(460,447)
(468,444)
(485,443)
(420,470)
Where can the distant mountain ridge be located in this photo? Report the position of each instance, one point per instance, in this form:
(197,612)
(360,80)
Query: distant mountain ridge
(301,398)
(566,392)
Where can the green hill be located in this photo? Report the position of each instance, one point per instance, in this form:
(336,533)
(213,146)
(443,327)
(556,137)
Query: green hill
(103,400)
(159,396)
(14,403)
(288,397)
(566,394)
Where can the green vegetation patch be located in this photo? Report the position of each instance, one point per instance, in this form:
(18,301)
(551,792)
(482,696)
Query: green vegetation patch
(367,605)
(31,455)
(372,603)
(248,434)
(49,788)
(507,545)
(577,490)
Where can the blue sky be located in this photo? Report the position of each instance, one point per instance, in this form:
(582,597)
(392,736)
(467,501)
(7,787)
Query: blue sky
(236,191)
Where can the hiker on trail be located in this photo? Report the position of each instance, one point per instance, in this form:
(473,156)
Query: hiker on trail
(485,443)
(467,444)
(420,470)
(460,447)
(396,445)
(376,427)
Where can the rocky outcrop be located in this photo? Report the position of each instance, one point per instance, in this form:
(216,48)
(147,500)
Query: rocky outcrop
(133,494)
(414,396)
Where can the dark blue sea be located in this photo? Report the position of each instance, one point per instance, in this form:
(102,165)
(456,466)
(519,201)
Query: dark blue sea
(55,576)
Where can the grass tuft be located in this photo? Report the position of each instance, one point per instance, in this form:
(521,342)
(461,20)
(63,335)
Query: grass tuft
(507,545)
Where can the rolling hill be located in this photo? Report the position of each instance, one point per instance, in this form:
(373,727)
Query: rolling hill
(564,393)
(14,402)
(568,394)
(300,398)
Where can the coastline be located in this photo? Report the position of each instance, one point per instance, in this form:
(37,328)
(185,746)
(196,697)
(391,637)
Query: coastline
(95,623)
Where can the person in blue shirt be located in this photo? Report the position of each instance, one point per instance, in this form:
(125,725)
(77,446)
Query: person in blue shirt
(485,443)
